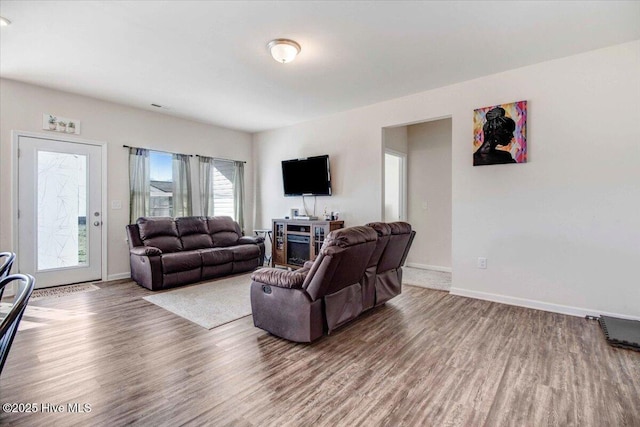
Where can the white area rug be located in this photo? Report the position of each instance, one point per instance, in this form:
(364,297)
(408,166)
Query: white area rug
(208,304)
(426,278)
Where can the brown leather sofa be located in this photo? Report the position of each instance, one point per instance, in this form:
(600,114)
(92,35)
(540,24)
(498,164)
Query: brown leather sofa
(166,252)
(357,269)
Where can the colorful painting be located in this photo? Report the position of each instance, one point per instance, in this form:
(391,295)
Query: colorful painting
(500,134)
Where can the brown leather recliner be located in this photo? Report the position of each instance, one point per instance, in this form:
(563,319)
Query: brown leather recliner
(300,305)
(358,268)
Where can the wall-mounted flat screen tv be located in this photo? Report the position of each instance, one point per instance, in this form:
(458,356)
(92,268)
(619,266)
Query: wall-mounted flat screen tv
(309,176)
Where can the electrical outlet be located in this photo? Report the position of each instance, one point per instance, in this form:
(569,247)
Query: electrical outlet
(482,262)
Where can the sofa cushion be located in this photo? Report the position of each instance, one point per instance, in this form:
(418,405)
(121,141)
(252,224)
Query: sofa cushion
(211,271)
(181,261)
(216,256)
(157,226)
(242,266)
(224,231)
(181,278)
(160,233)
(194,232)
(196,241)
(244,252)
(192,225)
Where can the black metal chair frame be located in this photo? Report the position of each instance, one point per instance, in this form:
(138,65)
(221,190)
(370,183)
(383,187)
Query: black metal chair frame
(5,268)
(9,325)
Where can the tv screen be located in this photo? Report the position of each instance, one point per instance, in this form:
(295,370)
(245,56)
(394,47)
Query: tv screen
(308,176)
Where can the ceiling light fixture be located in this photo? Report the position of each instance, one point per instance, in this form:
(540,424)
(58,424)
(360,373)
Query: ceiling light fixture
(4,22)
(284,50)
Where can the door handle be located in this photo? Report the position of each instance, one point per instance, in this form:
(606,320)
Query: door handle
(97,223)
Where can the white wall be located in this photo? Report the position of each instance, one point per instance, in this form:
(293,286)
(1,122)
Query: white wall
(429,193)
(21,108)
(561,232)
(396,139)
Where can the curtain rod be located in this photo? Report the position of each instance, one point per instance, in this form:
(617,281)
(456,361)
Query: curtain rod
(191,155)
(160,151)
(220,158)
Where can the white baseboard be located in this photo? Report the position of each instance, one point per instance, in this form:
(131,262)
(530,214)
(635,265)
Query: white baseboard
(119,276)
(428,267)
(538,305)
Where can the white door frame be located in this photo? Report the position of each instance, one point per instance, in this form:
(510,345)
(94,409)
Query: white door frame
(15,135)
(403,182)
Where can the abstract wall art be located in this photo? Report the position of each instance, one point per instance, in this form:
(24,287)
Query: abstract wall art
(500,134)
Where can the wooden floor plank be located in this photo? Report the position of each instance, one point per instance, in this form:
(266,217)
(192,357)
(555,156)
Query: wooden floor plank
(424,358)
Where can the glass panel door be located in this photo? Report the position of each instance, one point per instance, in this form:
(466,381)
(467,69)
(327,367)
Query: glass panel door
(59,211)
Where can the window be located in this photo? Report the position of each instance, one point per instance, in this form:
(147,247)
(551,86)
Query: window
(161,184)
(222,188)
(223,202)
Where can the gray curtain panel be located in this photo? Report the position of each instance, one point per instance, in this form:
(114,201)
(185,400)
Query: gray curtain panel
(222,188)
(238,193)
(139,186)
(181,185)
(206,185)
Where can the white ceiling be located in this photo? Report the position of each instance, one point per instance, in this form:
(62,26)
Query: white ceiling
(208,61)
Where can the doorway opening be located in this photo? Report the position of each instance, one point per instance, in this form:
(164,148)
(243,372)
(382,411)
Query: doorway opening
(59,220)
(395,179)
(417,188)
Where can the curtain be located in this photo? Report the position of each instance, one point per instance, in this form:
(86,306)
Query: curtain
(138,183)
(222,188)
(238,192)
(206,185)
(181,185)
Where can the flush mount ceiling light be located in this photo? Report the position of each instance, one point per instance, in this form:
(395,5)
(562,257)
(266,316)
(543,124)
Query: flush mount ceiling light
(283,50)
(4,22)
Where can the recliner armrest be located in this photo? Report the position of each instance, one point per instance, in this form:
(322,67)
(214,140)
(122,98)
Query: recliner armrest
(145,251)
(250,240)
(280,278)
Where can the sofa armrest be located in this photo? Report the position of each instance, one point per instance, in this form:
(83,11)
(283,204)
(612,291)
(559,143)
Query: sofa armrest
(308,265)
(280,278)
(250,240)
(145,251)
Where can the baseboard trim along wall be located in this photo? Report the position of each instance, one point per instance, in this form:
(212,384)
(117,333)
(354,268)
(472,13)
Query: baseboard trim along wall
(538,305)
(119,276)
(428,267)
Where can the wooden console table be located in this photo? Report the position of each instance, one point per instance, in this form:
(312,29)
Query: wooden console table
(296,241)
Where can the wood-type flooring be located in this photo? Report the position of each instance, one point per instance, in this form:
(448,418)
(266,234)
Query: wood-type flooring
(426,358)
